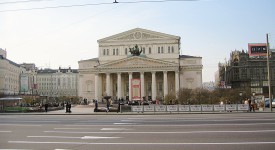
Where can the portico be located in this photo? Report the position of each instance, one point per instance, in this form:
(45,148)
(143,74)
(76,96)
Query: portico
(153,84)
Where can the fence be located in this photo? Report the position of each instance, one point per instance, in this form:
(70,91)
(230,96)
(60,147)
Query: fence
(190,108)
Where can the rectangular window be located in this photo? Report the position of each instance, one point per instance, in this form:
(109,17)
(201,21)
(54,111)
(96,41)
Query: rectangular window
(117,51)
(255,83)
(143,50)
(150,50)
(158,49)
(126,51)
(172,49)
(162,50)
(107,51)
(168,49)
(114,52)
(104,52)
(265,83)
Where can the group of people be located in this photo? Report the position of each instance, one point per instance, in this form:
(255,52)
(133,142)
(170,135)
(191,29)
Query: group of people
(68,107)
(250,104)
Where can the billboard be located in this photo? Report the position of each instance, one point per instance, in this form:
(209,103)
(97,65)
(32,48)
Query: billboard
(24,86)
(257,49)
(136,92)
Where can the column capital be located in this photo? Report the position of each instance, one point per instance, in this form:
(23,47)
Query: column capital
(130,72)
(153,72)
(165,71)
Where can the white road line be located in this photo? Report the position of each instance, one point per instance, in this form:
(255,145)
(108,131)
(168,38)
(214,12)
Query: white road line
(113,129)
(176,132)
(182,125)
(72,128)
(119,123)
(86,143)
(99,137)
(70,137)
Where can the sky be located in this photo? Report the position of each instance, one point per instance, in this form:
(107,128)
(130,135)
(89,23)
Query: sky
(62,36)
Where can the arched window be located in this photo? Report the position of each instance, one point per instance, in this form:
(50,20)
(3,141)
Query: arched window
(162,50)
(114,51)
(168,49)
(158,49)
(172,49)
(117,51)
(143,50)
(150,50)
(104,52)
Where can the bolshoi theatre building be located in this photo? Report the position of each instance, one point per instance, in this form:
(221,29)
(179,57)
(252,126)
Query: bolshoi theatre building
(138,64)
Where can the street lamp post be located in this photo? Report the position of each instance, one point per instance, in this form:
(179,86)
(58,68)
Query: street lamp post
(241,94)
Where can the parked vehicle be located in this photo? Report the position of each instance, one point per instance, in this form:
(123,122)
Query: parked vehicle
(267,103)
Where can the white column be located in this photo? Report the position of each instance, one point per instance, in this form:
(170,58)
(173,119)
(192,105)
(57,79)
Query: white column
(108,84)
(177,83)
(96,86)
(142,84)
(154,86)
(118,85)
(165,83)
(130,85)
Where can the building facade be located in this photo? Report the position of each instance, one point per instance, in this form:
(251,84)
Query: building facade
(57,82)
(158,70)
(9,75)
(246,71)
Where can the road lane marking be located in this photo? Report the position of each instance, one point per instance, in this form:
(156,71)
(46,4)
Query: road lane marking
(70,137)
(72,128)
(174,125)
(120,123)
(176,132)
(108,143)
(113,129)
(99,137)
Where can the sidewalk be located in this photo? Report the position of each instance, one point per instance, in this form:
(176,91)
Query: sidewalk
(78,109)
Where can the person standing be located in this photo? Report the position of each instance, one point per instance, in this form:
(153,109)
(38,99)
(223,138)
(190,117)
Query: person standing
(249,104)
(108,105)
(118,108)
(96,106)
(46,107)
(69,107)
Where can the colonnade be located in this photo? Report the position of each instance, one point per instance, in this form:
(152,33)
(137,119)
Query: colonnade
(98,84)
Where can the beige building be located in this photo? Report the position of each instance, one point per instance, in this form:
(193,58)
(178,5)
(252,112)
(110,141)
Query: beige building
(158,70)
(57,82)
(9,75)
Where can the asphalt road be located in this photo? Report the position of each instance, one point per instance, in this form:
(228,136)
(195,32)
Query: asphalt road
(241,131)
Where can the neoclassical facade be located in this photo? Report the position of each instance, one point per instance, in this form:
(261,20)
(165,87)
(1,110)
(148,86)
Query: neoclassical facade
(9,75)
(158,70)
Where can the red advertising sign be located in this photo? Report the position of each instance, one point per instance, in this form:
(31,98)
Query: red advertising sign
(136,92)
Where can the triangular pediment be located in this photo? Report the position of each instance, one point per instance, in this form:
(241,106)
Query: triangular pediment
(138,34)
(137,62)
